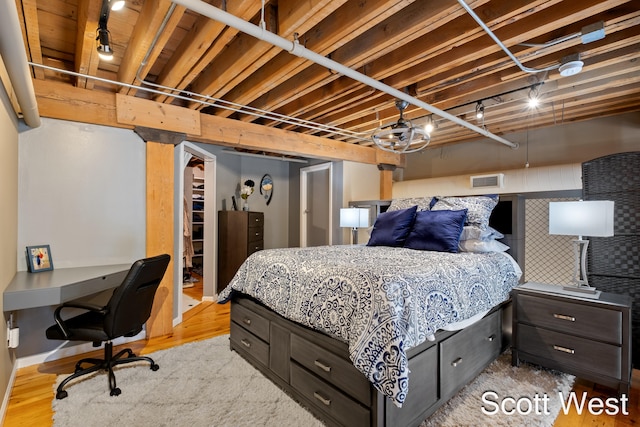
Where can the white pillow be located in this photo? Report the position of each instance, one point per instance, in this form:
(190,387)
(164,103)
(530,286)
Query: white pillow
(475,245)
(475,232)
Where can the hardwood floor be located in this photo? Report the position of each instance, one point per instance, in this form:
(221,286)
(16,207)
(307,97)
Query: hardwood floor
(30,401)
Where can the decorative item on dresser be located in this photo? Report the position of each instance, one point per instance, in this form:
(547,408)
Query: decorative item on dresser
(571,332)
(614,262)
(240,233)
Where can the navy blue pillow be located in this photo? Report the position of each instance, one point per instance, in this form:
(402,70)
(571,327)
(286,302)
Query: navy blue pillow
(436,231)
(392,228)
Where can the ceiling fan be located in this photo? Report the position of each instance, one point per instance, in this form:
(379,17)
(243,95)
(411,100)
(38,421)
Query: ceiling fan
(401,136)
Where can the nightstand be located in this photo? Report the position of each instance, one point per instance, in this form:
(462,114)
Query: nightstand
(586,337)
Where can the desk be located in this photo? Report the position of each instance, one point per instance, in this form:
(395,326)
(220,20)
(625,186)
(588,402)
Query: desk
(30,290)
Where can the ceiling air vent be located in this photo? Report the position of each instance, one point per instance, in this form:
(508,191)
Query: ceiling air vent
(488,181)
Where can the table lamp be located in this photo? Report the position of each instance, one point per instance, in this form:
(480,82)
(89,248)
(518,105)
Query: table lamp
(581,218)
(354,218)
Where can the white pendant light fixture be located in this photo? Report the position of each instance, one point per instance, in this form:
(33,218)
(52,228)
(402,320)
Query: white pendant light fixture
(401,136)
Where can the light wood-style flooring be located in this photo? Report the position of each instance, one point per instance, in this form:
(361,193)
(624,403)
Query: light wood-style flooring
(32,394)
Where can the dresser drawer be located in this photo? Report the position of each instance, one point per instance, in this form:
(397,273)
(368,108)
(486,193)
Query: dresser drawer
(255,234)
(466,353)
(328,399)
(256,324)
(254,247)
(575,354)
(565,316)
(245,342)
(256,219)
(331,367)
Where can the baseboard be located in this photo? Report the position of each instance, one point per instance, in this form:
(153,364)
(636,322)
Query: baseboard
(7,394)
(61,352)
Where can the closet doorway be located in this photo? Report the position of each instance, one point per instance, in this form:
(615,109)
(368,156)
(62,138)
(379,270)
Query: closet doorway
(198,228)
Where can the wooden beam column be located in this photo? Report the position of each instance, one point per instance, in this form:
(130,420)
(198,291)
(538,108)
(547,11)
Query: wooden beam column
(386,180)
(159,219)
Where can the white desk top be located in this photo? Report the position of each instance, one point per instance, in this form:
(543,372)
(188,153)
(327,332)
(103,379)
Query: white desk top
(29,290)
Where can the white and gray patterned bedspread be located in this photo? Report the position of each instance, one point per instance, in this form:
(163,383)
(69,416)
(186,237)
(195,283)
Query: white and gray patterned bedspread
(380,300)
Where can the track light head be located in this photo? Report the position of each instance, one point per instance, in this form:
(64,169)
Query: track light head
(479,110)
(104,44)
(116,4)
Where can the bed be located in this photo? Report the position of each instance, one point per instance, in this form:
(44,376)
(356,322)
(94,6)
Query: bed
(379,334)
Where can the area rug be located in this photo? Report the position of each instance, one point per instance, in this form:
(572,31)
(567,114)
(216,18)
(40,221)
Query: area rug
(204,384)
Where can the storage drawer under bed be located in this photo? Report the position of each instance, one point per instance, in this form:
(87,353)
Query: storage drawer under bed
(466,353)
(244,341)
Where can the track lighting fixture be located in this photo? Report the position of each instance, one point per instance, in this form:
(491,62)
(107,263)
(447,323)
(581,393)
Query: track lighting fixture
(116,4)
(428,126)
(103,37)
(534,97)
(104,44)
(479,110)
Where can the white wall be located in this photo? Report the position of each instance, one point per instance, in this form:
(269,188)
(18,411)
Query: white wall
(233,170)
(8,220)
(568,143)
(526,180)
(82,191)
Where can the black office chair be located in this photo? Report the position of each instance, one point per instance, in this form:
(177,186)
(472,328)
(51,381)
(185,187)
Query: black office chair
(124,315)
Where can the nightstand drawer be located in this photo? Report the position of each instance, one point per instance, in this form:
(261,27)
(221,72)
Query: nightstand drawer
(256,324)
(575,319)
(574,353)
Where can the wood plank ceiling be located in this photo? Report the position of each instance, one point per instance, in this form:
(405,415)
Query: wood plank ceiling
(434,50)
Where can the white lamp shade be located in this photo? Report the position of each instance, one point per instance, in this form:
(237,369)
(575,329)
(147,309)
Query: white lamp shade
(581,218)
(354,217)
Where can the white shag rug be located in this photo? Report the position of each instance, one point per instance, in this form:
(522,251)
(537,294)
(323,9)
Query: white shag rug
(515,384)
(205,384)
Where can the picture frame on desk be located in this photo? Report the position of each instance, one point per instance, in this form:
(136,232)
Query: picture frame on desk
(39,258)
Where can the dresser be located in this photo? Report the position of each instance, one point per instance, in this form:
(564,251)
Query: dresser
(240,233)
(586,337)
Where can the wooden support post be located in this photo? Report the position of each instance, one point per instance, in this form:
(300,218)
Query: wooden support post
(159,220)
(386,180)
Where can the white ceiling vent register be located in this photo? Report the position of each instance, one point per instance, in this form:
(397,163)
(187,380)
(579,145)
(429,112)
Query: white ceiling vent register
(495,180)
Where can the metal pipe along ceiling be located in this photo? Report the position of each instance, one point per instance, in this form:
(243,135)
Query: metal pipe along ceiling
(295,48)
(15,61)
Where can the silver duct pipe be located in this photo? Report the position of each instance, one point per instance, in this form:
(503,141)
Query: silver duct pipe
(501,45)
(295,48)
(15,61)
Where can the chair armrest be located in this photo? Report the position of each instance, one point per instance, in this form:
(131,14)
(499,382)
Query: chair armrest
(89,307)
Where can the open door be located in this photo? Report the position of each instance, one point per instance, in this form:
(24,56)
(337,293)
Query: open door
(200,189)
(316,183)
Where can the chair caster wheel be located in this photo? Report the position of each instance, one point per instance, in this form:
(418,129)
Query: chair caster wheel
(155,367)
(115,392)
(61,394)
